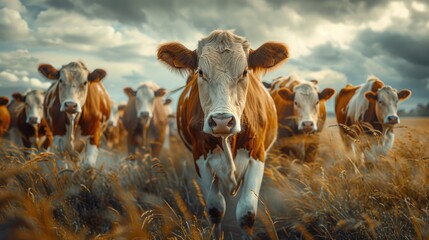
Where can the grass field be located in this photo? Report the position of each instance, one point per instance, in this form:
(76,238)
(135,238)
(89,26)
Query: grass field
(336,197)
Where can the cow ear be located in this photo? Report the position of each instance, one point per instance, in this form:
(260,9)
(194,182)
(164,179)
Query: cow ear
(18,97)
(371,96)
(129,92)
(326,94)
(4,100)
(178,57)
(404,94)
(267,85)
(314,81)
(160,92)
(168,101)
(49,71)
(97,75)
(286,94)
(267,56)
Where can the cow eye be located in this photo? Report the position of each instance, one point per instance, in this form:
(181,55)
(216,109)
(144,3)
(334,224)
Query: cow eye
(84,83)
(200,73)
(61,81)
(380,102)
(296,103)
(317,102)
(245,73)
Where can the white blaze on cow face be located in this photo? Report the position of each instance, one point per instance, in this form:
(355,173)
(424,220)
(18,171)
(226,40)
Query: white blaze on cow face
(33,104)
(72,80)
(306,107)
(386,103)
(222,83)
(145,97)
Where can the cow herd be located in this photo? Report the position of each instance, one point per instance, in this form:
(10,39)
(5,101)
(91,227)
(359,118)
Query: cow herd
(226,116)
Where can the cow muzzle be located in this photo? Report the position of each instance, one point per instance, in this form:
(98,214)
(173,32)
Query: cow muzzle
(70,107)
(391,120)
(145,117)
(33,120)
(222,124)
(308,126)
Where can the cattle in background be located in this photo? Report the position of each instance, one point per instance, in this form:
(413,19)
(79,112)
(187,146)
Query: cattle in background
(301,113)
(29,122)
(77,107)
(226,117)
(4,115)
(368,107)
(146,118)
(115,133)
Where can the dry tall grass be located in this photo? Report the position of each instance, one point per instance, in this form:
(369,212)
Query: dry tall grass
(336,197)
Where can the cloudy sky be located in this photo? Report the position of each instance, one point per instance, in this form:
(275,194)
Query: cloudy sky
(334,41)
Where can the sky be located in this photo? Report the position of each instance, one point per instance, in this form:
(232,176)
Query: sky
(337,42)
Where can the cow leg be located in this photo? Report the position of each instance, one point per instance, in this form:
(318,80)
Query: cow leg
(248,203)
(215,201)
(92,149)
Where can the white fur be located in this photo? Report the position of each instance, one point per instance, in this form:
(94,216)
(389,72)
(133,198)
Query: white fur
(249,193)
(91,154)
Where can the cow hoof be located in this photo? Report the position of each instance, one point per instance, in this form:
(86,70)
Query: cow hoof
(247,221)
(215,215)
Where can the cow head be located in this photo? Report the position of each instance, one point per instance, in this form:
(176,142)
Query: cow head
(306,103)
(144,100)
(386,103)
(73,80)
(33,101)
(222,63)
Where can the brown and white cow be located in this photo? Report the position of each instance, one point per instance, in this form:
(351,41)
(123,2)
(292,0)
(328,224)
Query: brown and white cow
(77,107)
(29,121)
(4,115)
(301,112)
(115,133)
(146,118)
(226,117)
(370,103)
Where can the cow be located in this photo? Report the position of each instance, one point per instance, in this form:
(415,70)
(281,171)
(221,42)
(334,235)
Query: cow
(371,107)
(301,114)
(4,115)
(77,108)
(146,118)
(29,122)
(226,117)
(115,133)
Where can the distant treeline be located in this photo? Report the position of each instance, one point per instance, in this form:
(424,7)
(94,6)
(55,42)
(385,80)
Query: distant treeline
(421,110)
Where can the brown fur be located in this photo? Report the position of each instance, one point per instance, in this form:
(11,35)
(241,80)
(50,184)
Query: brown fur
(4,115)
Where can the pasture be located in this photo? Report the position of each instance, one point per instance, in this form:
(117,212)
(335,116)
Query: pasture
(139,197)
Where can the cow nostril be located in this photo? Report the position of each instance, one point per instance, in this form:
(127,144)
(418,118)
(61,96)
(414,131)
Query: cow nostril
(231,123)
(212,122)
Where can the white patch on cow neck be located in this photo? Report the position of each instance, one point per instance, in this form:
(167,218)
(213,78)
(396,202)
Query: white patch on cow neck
(358,104)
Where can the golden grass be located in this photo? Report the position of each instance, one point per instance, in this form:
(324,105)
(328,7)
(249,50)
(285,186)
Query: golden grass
(336,197)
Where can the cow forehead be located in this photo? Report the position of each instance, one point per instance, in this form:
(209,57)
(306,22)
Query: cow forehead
(306,92)
(34,98)
(146,90)
(74,71)
(387,94)
(224,51)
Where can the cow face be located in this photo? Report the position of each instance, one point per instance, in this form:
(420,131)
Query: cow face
(306,104)
(73,80)
(386,103)
(33,105)
(222,63)
(144,100)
